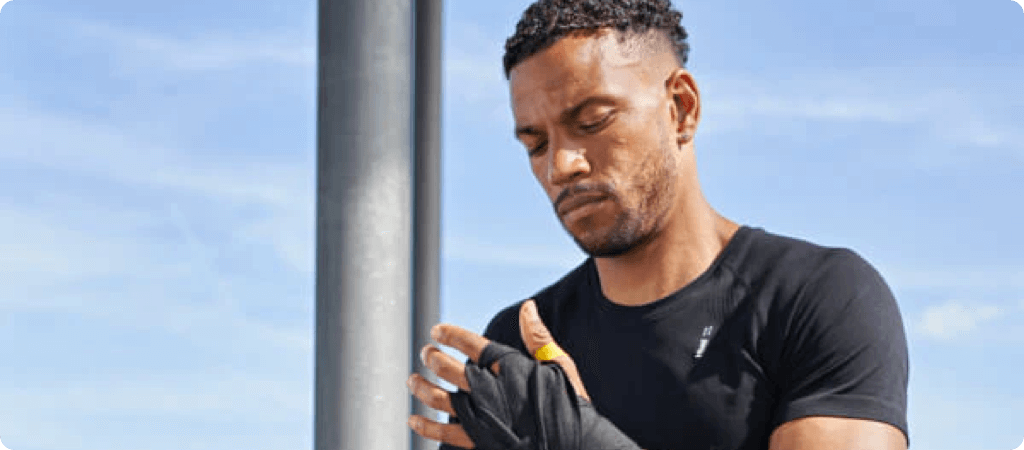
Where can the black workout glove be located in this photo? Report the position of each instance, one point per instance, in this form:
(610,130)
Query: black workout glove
(529,406)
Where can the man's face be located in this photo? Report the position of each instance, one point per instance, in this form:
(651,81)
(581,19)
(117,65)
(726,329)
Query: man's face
(598,123)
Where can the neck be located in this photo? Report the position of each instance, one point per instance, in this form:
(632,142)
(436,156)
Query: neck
(683,249)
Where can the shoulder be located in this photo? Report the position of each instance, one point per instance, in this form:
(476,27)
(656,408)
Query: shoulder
(841,299)
(553,303)
(834,339)
(790,269)
(816,302)
(831,336)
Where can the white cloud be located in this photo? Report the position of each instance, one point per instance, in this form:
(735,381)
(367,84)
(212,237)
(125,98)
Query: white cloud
(139,284)
(978,132)
(474,78)
(474,75)
(91,414)
(197,395)
(283,189)
(952,277)
(121,231)
(937,119)
(203,53)
(128,235)
(472,250)
(817,106)
(953,319)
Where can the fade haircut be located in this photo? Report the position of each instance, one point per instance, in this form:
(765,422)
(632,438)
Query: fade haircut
(547,21)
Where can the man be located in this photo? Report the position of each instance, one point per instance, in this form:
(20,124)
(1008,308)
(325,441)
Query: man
(683,330)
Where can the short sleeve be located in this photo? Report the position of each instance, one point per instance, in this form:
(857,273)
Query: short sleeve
(844,347)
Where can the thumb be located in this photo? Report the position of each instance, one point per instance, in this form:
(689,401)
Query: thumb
(535,335)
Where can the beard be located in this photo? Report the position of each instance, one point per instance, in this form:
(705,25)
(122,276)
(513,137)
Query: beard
(625,234)
(631,227)
(636,223)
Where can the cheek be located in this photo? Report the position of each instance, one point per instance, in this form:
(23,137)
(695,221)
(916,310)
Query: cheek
(608,153)
(619,155)
(539,169)
(536,166)
(636,162)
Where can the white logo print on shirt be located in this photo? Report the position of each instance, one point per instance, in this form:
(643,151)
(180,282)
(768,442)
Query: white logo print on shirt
(705,336)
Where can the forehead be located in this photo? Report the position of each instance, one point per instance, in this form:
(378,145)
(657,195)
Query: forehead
(572,69)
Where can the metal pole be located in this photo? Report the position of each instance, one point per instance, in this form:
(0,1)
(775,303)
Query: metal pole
(364,169)
(427,181)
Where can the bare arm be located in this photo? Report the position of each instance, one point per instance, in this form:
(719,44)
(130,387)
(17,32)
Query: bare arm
(836,433)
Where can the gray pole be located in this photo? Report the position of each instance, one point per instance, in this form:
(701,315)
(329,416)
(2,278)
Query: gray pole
(427,181)
(364,226)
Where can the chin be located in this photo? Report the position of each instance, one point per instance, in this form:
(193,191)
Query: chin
(607,249)
(607,242)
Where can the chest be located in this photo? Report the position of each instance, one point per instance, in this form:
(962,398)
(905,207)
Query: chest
(690,383)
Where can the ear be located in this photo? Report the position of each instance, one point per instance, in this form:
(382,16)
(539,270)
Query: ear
(685,103)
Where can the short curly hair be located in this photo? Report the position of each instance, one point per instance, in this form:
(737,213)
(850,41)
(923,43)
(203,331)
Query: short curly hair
(546,21)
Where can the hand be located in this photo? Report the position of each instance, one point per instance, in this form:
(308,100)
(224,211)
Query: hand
(534,334)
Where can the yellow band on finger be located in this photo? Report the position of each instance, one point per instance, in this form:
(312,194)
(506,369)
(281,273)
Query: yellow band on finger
(549,351)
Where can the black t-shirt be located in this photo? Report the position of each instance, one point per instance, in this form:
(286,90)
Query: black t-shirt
(776,329)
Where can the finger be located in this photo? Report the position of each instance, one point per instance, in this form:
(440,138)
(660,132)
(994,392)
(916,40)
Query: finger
(461,339)
(449,433)
(430,394)
(533,331)
(467,342)
(535,335)
(446,367)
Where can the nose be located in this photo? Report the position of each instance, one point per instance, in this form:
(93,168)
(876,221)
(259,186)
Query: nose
(566,162)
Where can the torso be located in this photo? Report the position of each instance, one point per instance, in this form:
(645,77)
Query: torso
(700,369)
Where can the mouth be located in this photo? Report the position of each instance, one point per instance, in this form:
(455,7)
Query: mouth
(579,201)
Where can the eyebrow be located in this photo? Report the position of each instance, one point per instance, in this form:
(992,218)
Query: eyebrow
(566,115)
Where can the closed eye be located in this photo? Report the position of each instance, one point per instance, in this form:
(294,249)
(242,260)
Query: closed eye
(593,127)
(536,151)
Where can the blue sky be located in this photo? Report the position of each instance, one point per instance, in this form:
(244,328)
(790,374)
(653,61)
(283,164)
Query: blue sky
(157,199)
